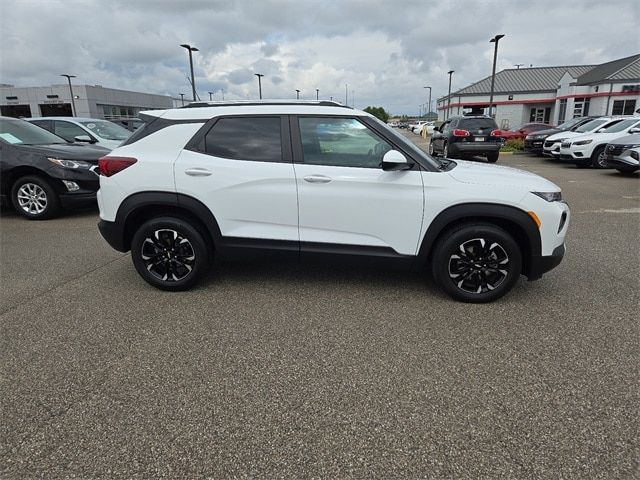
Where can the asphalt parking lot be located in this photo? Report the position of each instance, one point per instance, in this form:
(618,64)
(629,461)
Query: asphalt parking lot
(268,371)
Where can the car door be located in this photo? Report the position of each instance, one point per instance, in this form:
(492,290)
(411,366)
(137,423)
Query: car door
(346,202)
(439,137)
(240,167)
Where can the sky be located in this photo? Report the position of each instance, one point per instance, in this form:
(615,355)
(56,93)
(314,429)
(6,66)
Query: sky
(384,51)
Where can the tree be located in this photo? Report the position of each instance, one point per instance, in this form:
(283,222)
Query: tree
(378,112)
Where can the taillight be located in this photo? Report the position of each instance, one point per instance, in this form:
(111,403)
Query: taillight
(457,132)
(111,165)
(496,133)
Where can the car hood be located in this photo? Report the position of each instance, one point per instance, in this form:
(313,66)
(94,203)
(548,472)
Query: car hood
(548,131)
(70,151)
(632,139)
(500,176)
(559,135)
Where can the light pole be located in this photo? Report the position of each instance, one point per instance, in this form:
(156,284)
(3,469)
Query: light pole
(450,72)
(193,80)
(495,40)
(297,94)
(210,94)
(317,94)
(429,104)
(259,75)
(73,103)
(346,95)
(182,98)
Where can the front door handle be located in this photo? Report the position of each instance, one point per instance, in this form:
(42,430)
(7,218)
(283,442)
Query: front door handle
(198,172)
(317,179)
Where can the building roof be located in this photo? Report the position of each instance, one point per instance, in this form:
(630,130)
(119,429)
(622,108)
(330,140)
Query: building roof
(535,79)
(622,69)
(546,79)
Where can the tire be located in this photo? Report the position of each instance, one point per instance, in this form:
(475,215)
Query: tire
(445,150)
(432,150)
(35,198)
(598,158)
(492,157)
(490,277)
(169,253)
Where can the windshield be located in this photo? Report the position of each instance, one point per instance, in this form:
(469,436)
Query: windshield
(19,132)
(592,125)
(107,130)
(620,126)
(570,123)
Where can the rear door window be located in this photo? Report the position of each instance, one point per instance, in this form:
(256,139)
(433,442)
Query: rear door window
(246,138)
(68,130)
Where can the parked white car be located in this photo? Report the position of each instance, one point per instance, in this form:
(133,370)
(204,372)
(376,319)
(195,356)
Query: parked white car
(190,186)
(89,130)
(551,146)
(589,149)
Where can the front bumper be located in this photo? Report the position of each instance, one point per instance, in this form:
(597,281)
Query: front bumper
(541,264)
(552,151)
(79,199)
(623,162)
(535,146)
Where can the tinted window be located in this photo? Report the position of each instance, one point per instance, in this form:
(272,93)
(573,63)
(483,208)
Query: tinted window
(68,130)
(477,123)
(248,138)
(342,142)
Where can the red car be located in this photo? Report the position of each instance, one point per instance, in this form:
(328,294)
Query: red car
(523,130)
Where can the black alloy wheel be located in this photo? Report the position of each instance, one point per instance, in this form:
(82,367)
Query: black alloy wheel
(169,253)
(476,263)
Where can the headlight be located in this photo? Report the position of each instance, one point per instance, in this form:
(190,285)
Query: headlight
(73,164)
(549,196)
(583,142)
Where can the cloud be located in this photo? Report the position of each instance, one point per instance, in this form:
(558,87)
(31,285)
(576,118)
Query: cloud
(386,51)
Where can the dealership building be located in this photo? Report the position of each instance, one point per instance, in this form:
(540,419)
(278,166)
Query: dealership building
(551,94)
(92,101)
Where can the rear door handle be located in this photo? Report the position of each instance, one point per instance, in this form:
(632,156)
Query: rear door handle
(198,172)
(317,179)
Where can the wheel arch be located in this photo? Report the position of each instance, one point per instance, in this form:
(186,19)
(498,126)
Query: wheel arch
(11,176)
(515,221)
(139,207)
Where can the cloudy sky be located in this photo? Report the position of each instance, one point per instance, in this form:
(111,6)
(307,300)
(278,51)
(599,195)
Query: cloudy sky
(386,51)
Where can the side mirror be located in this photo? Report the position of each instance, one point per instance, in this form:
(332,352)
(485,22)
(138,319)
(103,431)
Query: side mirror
(634,130)
(394,161)
(83,138)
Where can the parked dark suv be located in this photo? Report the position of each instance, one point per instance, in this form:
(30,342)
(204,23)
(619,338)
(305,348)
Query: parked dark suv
(465,137)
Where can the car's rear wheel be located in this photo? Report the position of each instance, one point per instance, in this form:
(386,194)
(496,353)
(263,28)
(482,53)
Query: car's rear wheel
(492,157)
(598,158)
(445,150)
(169,253)
(476,263)
(35,198)
(432,150)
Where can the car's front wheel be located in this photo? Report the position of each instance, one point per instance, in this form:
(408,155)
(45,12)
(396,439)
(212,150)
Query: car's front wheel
(169,253)
(445,150)
(598,158)
(35,198)
(476,263)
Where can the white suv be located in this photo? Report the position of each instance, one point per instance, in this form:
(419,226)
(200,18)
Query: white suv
(319,180)
(588,149)
(552,143)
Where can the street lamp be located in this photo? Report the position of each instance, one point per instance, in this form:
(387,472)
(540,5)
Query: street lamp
(259,75)
(429,101)
(317,94)
(193,80)
(73,103)
(182,98)
(495,40)
(210,94)
(450,72)
(297,94)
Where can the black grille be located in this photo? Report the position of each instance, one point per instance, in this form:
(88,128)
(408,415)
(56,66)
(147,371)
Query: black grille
(614,149)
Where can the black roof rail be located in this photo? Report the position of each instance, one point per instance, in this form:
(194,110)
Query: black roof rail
(321,103)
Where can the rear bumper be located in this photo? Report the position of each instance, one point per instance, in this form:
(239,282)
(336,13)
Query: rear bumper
(113,234)
(470,148)
(542,264)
